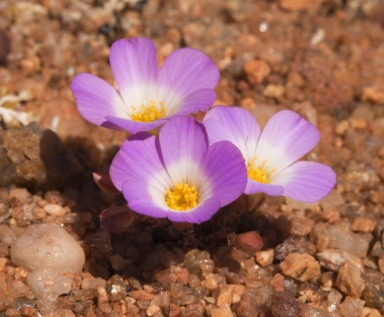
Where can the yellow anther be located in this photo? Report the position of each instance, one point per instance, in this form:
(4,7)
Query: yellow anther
(148,113)
(258,172)
(181,197)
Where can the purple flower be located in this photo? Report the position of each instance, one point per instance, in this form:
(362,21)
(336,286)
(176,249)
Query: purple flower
(147,96)
(178,175)
(271,155)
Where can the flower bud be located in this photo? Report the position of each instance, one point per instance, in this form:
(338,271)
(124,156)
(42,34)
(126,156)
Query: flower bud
(103,181)
(116,219)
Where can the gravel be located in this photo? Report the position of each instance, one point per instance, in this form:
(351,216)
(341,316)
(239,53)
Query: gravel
(323,59)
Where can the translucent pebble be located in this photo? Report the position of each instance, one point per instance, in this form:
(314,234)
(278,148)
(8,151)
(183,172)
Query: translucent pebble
(334,298)
(91,283)
(222,311)
(350,279)
(193,281)
(99,242)
(47,246)
(7,235)
(162,299)
(117,262)
(134,282)
(17,289)
(85,294)
(352,307)
(333,237)
(194,309)
(198,262)
(21,195)
(284,305)
(48,283)
(176,290)
(116,288)
(190,295)
(212,281)
(71,218)
(230,294)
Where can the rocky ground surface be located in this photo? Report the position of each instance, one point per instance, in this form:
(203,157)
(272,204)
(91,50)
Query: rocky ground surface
(321,58)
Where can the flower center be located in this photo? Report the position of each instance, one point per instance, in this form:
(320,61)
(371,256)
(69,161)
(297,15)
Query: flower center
(258,172)
(181,197)
(148,113)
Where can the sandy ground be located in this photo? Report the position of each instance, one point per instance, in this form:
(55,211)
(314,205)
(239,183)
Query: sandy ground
(321,58)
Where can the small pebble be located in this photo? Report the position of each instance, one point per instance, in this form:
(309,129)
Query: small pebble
(300,266)
(153,309)
(212,281)
(102,300)
(256,71)
(371,312)
(117,262)
(350,280)
(342,127)
(141,295)
(299,5)
(230,294)
(3,263)
(301,226)
(358,123)
(274,91)
(265,258)
(351,307)
(55,210)
(222,311)
(92,282)
(363,224)
(284,305)
(333,258)
(333,237)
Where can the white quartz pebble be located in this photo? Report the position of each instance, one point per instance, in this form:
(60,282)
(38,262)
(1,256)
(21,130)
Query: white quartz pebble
(48,283)
(47,246)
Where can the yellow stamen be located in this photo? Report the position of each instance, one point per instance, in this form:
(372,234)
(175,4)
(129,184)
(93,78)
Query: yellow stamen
(181,197)
(148,113)
(258,172)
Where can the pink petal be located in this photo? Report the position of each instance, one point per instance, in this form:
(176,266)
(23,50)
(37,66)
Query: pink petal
(187,70)
(254,187)
(199,100)
(233,124)
(134,65)
(226,171)
(183,141)
(140,199)
(137,158)
(286,138)
(96,99)
(306,181)
(138,172)
(134,126)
